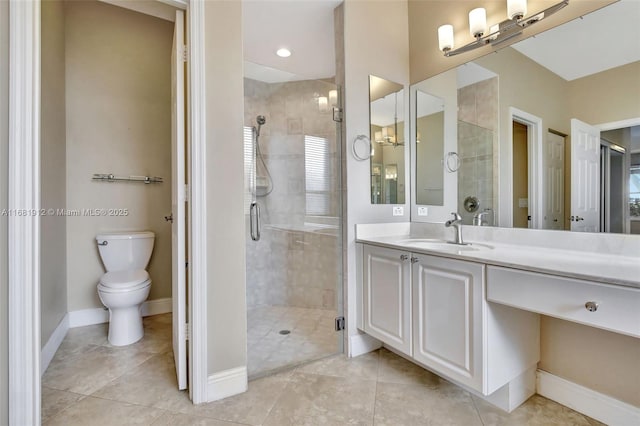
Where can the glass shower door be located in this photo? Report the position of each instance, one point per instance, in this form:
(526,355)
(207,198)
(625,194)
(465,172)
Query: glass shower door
(294,271)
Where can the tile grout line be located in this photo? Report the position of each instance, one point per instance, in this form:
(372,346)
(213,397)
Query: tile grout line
(288,380)
(475,406)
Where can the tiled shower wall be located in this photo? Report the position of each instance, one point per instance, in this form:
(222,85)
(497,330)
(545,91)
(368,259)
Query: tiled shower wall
(477,144)
(293,264)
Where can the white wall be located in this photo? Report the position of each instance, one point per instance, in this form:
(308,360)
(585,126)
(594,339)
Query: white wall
(118,95)
(53,262)
(367,52)
(227,311)
(4,169)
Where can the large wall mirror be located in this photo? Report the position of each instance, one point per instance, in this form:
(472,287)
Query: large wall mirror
(545,131)
(386,123)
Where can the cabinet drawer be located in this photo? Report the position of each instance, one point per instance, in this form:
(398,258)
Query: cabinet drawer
(565,298)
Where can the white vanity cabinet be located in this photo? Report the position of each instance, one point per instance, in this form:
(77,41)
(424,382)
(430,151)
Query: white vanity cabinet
(434,310)
(448,317)
(387,296)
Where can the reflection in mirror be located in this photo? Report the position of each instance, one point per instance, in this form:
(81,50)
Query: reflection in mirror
(429,149)
(386,100)
(533,132)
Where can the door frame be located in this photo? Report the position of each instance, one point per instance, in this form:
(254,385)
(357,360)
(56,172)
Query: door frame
(534,150)
(24,194)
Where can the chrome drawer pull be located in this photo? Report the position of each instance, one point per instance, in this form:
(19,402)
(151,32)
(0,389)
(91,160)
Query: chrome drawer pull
(404,257)
(591,306)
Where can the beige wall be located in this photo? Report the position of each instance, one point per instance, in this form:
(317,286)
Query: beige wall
(594,358)
(425,16)
(430,174)
(118,87)
(53,263)
(608,96)
(4,169)
(363,47)
(546,97)
(227,310)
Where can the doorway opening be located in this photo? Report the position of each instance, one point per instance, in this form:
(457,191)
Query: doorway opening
(521,216)
(108,108)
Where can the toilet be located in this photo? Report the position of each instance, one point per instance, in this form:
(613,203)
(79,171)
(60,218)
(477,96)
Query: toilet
(126,284)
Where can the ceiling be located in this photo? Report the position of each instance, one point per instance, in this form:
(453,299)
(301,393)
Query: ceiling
(305,27)
(604,39)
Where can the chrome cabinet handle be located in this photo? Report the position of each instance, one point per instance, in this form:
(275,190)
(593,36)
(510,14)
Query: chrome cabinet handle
(404,257)
(591,306)
(414,259)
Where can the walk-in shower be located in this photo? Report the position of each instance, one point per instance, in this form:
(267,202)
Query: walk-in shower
(293,208)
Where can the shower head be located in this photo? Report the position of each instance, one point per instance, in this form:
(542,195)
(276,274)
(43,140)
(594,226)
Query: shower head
(260,120)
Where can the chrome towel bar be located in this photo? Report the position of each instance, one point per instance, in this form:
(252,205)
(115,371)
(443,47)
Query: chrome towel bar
(112,178)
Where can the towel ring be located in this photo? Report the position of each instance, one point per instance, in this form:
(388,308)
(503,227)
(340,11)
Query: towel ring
(361,148)
(452,162)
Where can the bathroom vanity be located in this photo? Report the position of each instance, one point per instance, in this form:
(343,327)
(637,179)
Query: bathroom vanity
(471,312)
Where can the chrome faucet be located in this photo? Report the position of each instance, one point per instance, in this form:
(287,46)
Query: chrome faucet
(478,218)
(456,222)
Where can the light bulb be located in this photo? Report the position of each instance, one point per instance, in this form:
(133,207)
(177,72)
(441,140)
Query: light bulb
(322,104)
(333,97)
(516,9)
(445,37)
(478,22)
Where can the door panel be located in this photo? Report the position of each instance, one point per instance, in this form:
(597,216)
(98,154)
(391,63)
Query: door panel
(387,299)
(554,182)
(178,199)
(585,177)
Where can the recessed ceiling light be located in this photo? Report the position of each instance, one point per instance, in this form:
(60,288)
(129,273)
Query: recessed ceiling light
(283,52)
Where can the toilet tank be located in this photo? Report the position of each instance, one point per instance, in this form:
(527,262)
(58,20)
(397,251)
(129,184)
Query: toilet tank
(124,251)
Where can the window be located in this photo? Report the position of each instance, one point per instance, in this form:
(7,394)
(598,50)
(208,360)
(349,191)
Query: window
(317,176)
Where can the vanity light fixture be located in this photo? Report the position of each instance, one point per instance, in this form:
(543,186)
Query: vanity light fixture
(498,33)
(283,52)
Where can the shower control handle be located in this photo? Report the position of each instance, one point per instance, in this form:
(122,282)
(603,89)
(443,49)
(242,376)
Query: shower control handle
(254,221)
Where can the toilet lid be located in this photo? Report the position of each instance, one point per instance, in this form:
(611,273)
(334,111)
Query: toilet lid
(123,279)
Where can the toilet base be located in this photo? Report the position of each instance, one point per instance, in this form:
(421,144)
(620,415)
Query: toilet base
(125,325)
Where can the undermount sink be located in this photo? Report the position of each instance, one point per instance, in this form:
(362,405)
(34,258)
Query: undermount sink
(442,245)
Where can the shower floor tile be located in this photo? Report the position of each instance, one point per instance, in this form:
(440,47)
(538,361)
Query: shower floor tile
(311,336)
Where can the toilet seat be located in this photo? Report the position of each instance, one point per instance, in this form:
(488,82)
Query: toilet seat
(124,280)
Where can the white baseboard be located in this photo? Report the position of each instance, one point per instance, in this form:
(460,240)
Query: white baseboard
(227,383)
(586,401)
(52,345)
(83,317)
(157,307)
(361,344)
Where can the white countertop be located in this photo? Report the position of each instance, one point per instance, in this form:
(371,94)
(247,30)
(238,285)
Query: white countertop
(605,268)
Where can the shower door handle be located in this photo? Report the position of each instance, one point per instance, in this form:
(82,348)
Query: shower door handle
(254,217)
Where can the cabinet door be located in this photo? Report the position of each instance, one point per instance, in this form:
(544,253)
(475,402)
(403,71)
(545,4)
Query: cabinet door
(447,317)
(387,296)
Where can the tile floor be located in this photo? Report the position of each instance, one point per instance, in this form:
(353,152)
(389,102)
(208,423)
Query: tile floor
(90,382)
(312,336)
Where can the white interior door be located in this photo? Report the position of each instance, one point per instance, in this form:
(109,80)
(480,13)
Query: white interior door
(178,200)
(554,182)
(585,177)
